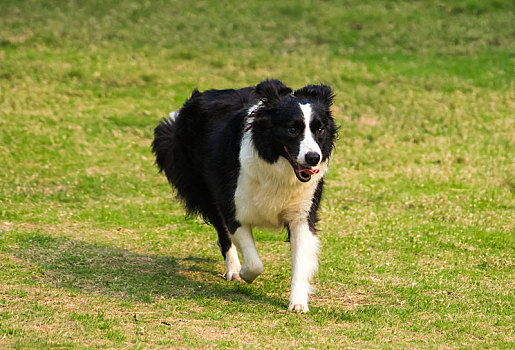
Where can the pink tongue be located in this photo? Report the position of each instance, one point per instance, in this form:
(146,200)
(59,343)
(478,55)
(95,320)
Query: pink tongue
(310,171)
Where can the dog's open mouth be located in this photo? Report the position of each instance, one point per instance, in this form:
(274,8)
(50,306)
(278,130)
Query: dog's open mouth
(302,172)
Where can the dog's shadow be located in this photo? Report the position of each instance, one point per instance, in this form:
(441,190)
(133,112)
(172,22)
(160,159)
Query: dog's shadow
(105,270)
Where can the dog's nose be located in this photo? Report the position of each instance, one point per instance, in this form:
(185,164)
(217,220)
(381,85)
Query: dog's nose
(312,158)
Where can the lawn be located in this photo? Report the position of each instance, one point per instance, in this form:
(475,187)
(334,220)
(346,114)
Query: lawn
(417,222)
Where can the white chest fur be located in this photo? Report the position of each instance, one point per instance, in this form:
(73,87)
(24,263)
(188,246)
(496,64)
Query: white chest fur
(270,195)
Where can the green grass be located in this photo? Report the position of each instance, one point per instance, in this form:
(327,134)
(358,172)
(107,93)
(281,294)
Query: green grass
(418,223)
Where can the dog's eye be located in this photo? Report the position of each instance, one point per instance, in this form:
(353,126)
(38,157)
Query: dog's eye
(292,131)
(320,131)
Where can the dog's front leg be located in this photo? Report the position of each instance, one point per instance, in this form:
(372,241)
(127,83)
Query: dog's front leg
(252,265)
(304,253)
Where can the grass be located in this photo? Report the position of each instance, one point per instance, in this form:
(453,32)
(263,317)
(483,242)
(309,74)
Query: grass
(418,219)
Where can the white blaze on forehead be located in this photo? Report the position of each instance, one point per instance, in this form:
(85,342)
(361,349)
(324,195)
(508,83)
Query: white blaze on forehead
(308,144)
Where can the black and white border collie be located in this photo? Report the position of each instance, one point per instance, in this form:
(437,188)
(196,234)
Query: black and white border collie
(253,157)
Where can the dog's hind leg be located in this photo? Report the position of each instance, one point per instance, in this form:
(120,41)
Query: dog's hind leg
(252,265)
(232,263)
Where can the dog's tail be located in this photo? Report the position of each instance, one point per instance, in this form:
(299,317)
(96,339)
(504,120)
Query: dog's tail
(170,137)
(163,143)
(172,159)
(174,156)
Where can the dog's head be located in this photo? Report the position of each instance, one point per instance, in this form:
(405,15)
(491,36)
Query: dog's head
(296,125)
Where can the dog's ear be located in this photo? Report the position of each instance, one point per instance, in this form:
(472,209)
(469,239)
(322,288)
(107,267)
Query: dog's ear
(272,91)
(321,93)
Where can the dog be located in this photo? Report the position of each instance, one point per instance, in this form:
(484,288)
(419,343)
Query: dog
(255,156)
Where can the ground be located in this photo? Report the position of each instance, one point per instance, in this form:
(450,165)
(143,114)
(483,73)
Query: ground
(417,223)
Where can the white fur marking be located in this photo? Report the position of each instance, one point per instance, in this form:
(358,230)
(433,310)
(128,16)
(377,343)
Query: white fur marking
(304,253)
(252,265)
(308,144)
(173,115)
(255,107)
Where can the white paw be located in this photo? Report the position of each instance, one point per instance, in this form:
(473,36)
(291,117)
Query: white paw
(299,297)
(233,276)
(303,308)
